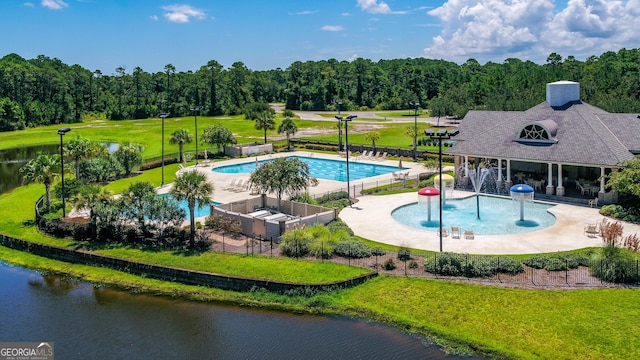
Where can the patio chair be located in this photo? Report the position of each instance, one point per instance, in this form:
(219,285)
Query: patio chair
(232,185)
(376,157)
(455,232)
(383,156)
(240,186)
(593,202)
(469,235)
(445,233)
(591,230)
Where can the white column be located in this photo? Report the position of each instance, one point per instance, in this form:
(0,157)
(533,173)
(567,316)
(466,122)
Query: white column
(602,179)
(560,188)
(550,179)
(499,169)
(466,166)
(508,170)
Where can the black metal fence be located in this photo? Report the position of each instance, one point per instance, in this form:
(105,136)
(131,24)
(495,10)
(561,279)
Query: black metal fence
(535,271)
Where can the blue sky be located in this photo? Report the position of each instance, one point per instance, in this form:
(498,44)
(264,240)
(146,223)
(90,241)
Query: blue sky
(263,34)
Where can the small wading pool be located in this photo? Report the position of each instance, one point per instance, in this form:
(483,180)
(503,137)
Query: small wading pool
(498,216)
(199,212)
(321,168)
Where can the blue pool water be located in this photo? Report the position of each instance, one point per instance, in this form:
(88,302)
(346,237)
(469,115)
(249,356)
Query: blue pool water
(321,168)
(498,216)
(199,212)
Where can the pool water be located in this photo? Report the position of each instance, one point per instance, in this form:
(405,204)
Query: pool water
(498,216)
(199,212)
(321,168)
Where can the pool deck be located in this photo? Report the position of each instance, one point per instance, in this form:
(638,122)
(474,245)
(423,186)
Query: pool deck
(371,218)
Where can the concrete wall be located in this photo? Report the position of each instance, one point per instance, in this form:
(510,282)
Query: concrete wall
(189,277)
(248,149)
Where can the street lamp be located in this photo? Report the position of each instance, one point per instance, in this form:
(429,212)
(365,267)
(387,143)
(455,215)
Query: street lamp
(339,127)
(415,103)
(61,132)
(163,116)
(346,144)
(196,110)
(440,135)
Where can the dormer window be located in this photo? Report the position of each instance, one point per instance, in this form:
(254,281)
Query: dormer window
(538,133)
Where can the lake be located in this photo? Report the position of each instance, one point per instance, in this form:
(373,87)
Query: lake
(86,321)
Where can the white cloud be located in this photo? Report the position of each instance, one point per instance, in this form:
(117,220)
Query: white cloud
(153,17)
(353,57)
(54,4)
(28,4)
(374,7)
(492,30)
(182,13)
(332,28)
(304,12)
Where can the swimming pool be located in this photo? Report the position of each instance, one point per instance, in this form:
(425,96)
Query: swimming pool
(199,212)
(498,216)
(321,168)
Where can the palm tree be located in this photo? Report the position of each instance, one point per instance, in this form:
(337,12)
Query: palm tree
(78,148)
(282,175)
(43,169)
(193,187)
(90,197)
(373,137)
(288,127)
(181,137)
(265,122)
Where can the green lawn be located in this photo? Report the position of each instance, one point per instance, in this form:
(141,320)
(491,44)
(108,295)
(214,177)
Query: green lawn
(505,323)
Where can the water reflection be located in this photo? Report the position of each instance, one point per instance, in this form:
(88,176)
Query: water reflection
(86,321)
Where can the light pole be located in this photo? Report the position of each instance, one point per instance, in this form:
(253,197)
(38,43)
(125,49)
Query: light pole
(196,110)
(61,132)
(346,145)
(163,116)
(441,134)
(415,103)
(339,127)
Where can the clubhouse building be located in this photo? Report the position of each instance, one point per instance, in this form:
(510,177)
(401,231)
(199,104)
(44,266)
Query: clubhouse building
(563,147)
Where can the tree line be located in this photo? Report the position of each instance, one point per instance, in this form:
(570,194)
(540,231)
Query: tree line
(44,91)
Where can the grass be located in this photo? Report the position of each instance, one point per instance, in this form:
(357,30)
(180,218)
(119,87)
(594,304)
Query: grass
(507,323)
(496,322)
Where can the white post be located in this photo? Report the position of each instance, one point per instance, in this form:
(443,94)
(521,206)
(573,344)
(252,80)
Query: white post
(560,188)
(602,179)
(550,178)
(466,166)
(499,169)
(508,170)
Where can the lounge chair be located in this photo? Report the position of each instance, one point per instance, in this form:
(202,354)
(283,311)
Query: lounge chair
(455,232)
(364,155)
(593,202)
(445,233)
(231,185)
(240,186)
(469,235)
(591,230)
(383,157)
(377,157)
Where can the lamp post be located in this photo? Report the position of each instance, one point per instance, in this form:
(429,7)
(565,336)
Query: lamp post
(415,103)
(346,144)
(339,127)
(163,116)
(61,132)
(196,110)
(440,135)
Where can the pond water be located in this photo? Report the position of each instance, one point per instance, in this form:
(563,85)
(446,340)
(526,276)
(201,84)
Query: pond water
(85,321)
(11,160)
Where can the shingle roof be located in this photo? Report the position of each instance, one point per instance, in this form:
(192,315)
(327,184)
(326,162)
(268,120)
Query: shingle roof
(586,135)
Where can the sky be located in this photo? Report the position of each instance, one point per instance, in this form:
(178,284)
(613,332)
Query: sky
(269,34)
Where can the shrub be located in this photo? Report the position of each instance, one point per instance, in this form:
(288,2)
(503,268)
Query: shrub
(295,242)
(352,248)
(404,254)
(389,265)
(377,252)
(413,264)
(557,262)
(339,225)
(471,266)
